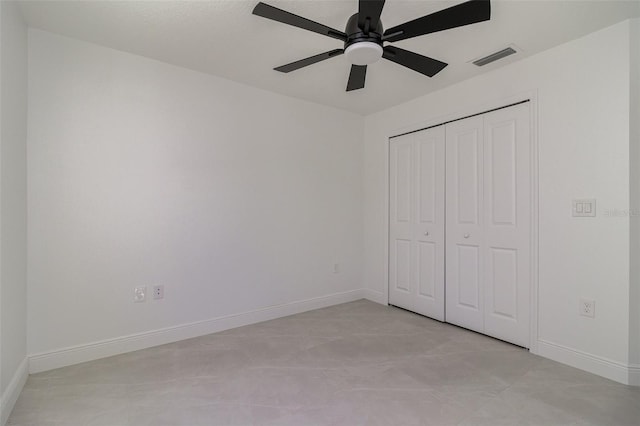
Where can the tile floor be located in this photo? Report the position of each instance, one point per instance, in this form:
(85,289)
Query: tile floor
(358,363)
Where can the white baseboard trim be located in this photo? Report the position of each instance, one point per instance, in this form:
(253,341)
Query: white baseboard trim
(604,367)
(11,394)
(634,375)
(375,296)
(105,348)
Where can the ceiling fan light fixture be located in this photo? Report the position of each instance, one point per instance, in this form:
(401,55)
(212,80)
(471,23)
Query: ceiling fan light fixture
(363,53)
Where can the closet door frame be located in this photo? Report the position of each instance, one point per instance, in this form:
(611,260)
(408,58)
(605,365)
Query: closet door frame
(482,108)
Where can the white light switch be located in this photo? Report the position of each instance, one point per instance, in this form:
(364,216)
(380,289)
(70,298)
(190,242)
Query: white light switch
(584,208)
(139,294)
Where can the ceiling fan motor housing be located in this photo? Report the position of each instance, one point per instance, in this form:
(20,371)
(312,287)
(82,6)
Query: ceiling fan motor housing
(363,45)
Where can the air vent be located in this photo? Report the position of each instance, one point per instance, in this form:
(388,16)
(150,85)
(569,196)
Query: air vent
(494,56)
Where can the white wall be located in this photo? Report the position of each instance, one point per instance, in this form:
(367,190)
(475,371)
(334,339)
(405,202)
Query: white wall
(142,173)
(634,114)
(237,199)
(13,202)
(583,131)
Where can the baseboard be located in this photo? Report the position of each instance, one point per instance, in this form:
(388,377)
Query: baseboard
(634,375)
(604,367)
(11,394)
(375,296)
(102,349)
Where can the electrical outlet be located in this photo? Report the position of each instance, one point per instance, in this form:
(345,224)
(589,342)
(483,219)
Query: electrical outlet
(158,292)
(139,294)
(587,308)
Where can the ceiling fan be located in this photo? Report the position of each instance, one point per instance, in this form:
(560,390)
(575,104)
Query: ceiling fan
(364,36)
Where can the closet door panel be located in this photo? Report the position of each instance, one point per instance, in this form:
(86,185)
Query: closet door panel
(430,223)
(416,238)
(508,225)
(401,218)
(502,276)
(464,232)
(468,276)
(427,268)
(467,175)
(426,190)
(501,180)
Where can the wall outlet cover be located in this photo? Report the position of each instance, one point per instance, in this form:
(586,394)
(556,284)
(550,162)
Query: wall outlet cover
(158,292)
(587,308)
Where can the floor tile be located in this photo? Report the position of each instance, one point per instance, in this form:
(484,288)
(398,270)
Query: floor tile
(358,363)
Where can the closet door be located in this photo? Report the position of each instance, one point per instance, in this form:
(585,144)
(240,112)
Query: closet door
(401,218)
(464,223)
(507,183)
(488,239)
(416,251)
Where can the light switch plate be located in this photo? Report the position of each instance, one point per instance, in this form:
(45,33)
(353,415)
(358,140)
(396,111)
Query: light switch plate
(584,208)
(139,294)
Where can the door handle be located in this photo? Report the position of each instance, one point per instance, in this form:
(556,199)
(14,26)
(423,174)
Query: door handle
(426,233)
(467,235)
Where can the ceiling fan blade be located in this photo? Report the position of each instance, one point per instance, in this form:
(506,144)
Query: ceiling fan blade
(309,61)
(414,61)
(371,10)
(356,77)
(470,12)
(285,17)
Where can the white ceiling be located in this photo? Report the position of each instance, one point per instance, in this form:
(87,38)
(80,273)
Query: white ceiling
(223,38)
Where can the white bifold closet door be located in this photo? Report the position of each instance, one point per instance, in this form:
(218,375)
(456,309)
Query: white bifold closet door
(417,215)
(488,218)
